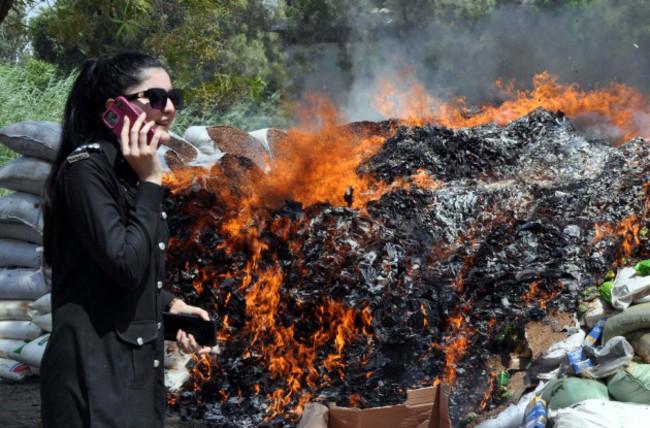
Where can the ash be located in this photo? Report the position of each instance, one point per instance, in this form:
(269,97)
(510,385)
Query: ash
(517,205)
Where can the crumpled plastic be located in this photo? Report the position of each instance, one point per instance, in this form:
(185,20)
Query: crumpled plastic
(608,359)
(630,287)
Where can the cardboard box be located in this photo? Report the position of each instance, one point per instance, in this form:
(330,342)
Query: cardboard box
(424,408)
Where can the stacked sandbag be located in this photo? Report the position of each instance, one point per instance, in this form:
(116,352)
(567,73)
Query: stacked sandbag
(22,278)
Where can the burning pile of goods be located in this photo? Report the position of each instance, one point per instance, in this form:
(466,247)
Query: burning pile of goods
(373,258)
(347,264)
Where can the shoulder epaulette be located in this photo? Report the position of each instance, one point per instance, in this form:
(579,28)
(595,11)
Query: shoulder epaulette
(82,152)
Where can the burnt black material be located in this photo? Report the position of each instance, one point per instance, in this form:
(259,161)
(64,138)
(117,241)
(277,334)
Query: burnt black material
(517,206)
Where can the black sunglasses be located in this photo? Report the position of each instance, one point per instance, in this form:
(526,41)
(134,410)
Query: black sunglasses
(158,97)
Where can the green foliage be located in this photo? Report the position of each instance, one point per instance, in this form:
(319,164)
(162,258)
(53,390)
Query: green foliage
(219,51)
(249,115)
(31,92)
(13,39)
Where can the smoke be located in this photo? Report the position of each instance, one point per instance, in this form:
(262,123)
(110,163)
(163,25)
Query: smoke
(591,46)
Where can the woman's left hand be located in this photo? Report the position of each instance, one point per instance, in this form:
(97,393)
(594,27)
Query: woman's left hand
(186,342)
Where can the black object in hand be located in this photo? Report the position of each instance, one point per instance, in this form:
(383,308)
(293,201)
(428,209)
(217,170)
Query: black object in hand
(204,332)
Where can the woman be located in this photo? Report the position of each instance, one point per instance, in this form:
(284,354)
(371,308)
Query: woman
(105,238)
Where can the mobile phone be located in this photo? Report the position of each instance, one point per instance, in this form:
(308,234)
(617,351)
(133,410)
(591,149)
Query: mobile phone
(114,117)
(204,332)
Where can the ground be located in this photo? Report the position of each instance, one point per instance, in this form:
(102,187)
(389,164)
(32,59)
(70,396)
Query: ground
(21,406)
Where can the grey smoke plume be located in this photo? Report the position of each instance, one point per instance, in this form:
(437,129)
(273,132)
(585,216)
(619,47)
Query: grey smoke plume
(591,46)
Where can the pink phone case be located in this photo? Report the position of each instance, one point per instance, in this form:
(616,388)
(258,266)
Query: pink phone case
(114,117)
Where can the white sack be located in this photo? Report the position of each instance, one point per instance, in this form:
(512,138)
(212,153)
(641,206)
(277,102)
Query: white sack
(199,138)
(32,353)
(15,310)
(42,304)
(33,138)
(13,370)
(28,284)
(21,330)
(596,310)
(25,174)
(20,254)
(630,287)
(555,354)
(9,346)
(44,321)
(260,135)
(594,413)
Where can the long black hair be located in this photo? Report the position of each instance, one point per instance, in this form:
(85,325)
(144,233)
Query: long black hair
(99,79)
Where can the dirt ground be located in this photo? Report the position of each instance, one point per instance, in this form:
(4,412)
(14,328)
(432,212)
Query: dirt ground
(21,406)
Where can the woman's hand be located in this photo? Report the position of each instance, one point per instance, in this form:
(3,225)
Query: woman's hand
(186,342)
(142,157)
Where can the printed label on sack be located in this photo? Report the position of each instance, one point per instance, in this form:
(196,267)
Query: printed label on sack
(19,367)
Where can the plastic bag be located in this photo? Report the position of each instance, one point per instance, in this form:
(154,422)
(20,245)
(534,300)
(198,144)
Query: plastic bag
(630,287)
(616,354)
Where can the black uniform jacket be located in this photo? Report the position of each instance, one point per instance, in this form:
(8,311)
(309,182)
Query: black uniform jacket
(103,365)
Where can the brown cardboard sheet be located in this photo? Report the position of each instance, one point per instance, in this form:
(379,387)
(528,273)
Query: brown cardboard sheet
(424,408)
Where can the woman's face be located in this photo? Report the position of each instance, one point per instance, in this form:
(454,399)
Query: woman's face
(155,78)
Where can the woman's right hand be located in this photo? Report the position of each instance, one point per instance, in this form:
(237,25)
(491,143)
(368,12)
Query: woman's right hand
(142,157)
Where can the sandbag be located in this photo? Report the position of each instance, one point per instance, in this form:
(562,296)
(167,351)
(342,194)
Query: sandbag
(33,138)
(43,321)
(15,310)
(633,318)
(20,232)
(21,330)
(27,284)
(25,174)
(596,310)
(566,392)
(42,304)
(640,341)
(269,137)
(9,346)
(238,142)
(22,208)
(632,384)
(14,370)
(199,138)
(32,353)
(601,414)
(20,254)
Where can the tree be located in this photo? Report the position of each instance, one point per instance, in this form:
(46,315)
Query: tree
(218,50)
(5,7)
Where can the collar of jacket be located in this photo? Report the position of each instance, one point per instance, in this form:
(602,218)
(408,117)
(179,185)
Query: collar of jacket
(118,163)
(112,152)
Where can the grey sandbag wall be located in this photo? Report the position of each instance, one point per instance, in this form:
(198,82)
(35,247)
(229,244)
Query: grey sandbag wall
(22,278)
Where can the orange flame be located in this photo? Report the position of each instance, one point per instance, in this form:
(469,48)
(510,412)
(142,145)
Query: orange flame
(618,106)
(540,295)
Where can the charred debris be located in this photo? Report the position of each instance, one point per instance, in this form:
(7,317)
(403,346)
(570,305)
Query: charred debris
(509,234)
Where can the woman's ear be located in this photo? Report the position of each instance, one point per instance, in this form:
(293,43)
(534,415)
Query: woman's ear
(109,102)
